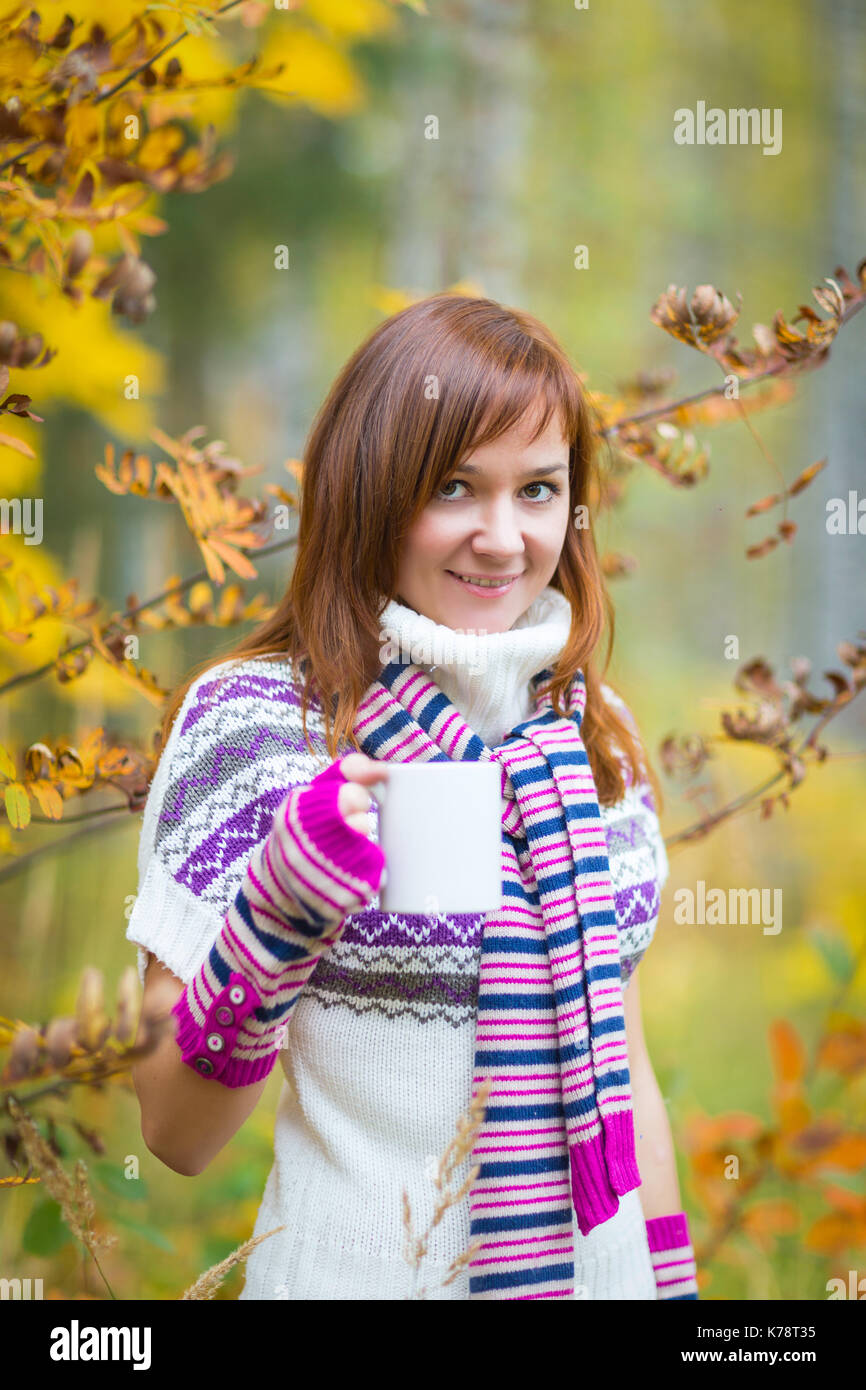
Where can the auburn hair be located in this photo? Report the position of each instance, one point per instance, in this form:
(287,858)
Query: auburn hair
(429,385)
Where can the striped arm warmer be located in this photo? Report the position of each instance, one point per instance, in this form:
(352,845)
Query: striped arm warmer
(673,1258)
(310,873)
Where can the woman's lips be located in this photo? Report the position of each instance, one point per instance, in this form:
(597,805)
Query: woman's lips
(484,591)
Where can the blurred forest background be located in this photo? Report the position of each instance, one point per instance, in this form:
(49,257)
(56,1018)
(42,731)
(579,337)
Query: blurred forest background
(555,129)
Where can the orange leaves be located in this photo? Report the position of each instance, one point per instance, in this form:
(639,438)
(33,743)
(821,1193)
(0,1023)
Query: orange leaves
(57,134)
(799,1148)
(705,321)
(700,324)
(843,1047)
(766,1220)
(204,483)
(23,603)
(219,521)
(53,774)
(677,456)
(133,473)
(789,1063)
(785,529)
(226,610)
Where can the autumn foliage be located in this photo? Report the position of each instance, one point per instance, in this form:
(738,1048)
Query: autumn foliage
(97,122)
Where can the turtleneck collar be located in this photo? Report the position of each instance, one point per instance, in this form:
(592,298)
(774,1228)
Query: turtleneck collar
(485,675)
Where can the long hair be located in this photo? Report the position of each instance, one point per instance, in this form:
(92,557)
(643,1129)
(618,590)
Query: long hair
(429,385)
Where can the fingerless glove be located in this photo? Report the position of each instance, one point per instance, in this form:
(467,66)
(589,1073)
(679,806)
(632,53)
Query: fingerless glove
(302,882)
(673,1258)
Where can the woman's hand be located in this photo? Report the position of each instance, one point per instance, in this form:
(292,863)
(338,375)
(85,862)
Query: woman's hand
(354,801)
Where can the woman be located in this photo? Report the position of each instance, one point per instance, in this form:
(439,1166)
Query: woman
(456,445)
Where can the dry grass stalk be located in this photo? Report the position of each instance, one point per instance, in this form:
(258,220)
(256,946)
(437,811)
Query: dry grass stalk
(207,1284)
(72,1194)
(459,1149)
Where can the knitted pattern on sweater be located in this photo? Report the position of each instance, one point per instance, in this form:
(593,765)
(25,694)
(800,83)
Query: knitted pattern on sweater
(350,1131)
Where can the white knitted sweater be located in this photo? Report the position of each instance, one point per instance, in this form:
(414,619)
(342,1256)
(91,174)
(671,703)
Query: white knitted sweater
(379,1053)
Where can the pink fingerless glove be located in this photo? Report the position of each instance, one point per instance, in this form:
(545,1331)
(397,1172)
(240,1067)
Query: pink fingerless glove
(673,1258)
(310,873)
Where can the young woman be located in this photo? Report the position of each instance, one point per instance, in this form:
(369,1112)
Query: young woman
(445,515)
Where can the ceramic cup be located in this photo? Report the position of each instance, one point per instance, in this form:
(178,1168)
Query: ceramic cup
(440,829)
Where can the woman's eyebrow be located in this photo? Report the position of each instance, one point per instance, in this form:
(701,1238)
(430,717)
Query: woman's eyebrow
(541,469)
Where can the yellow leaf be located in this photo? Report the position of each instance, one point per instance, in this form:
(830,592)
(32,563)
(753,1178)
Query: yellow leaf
(12,443)
(17,805)
(84,128)
(316,72)
(235,559)
(200,597)
(49,798)
(159,146)
(351,19)
(89,378)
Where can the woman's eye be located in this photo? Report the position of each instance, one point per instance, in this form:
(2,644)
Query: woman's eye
(454,483)
(553,488)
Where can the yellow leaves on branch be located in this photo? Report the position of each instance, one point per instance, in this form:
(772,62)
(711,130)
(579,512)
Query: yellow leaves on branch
(663,447)
(203,609)
(53,774)
(203,483)
(772,722)
(705,322)
(23,603)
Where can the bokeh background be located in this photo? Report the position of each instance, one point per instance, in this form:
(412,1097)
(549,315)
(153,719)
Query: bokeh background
(555,129)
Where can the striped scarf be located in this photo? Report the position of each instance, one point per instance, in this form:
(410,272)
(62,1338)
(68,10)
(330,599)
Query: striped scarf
(550,1028)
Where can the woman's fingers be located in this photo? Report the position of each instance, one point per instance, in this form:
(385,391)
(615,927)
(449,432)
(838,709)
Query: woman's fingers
(357,767)
(354,801)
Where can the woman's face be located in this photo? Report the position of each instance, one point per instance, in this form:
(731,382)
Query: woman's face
(503,513)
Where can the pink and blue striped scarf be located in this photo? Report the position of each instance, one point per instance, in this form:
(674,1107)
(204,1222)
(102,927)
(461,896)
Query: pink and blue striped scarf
(550,1029)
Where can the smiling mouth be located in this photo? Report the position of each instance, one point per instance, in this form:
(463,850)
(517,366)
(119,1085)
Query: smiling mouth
(493,584)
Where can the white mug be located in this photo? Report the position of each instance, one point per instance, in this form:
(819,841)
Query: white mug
(440,830)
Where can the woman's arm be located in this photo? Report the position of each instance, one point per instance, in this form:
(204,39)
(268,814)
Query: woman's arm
(185,1120)
(314,868)
(667,1227)
(654,1145)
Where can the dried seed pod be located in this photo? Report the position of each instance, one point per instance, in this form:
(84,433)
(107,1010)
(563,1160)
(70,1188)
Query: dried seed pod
(80,251)
(60,1040)
(127,1006)
(25,1054)
(90,1016)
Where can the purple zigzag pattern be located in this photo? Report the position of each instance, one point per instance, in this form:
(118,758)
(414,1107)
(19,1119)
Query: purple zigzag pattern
(175,796)
(375,928)
(363,984)
(236,836)
(648,799)
(277,690)
(638,902)
(630,831)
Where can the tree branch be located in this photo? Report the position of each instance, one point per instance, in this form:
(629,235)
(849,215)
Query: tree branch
(781,369)
(25,677)
(103,96)
(23,861)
